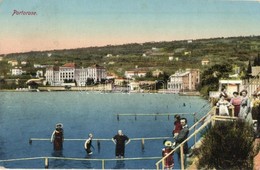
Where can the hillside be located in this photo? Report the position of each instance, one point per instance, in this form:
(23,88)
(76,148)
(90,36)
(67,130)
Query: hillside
(152,55)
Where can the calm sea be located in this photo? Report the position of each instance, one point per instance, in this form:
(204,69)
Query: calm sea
(25,115)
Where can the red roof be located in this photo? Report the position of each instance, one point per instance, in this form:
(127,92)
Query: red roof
(69,65)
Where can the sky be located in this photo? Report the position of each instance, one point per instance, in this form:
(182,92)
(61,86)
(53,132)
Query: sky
(67,24)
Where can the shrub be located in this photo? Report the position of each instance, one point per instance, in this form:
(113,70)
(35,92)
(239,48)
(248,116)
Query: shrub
(227,145)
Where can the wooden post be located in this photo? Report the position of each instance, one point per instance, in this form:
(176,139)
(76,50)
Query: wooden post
(163,165)
(103,164)
(117,117)
(213,119)
(157,166)
(46,163)
(182,158)
(142,144)
(98,145)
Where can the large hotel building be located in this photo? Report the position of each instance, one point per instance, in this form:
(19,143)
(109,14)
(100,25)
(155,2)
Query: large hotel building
(57,76)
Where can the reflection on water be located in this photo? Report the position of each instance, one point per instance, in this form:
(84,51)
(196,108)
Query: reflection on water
(120,164)
(87,163)
(57,154)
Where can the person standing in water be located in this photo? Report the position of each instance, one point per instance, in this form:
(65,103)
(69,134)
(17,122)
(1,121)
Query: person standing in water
(57,137)
(88,144)
(120,140)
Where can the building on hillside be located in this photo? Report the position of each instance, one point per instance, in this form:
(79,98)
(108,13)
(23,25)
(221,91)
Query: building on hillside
(17,71)
(24,62)
(205,62)
(57,76)
(184,80)
(40,66)
(120,81)
(135,73)
(13,62)
(157,73)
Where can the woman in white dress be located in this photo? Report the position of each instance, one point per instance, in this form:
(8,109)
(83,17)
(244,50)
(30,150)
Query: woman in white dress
(223,105)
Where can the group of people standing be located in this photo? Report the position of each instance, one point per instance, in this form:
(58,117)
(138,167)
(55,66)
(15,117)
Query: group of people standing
(180,133)
(240,102)
(120,140)
(245,107)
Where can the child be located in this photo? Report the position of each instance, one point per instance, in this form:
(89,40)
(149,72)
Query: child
(168,162)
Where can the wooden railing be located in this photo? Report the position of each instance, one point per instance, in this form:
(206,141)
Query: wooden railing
(209,118)
(205,120)
(46,160)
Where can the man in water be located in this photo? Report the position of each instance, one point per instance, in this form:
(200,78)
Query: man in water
(88,144)
(120,140)
(57,137)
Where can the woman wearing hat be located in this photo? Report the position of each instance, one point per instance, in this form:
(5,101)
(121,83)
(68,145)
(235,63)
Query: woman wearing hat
(168,162)
(57,137)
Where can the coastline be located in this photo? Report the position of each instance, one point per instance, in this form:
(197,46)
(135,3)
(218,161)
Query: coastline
(97,89)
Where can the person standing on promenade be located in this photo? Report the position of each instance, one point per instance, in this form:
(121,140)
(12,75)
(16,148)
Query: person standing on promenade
(120,140)
(236,101)
(223,93)
(88,144)
(182,136)
(223,105)
(57,137)
(169,161)
(258,116)
(244,106)
(177,125)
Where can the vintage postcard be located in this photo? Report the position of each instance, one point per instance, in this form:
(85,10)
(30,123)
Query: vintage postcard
(129,84)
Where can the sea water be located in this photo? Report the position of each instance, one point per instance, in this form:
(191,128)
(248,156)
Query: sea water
(25,115)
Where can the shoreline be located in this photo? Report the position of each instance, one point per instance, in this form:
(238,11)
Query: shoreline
(193,93)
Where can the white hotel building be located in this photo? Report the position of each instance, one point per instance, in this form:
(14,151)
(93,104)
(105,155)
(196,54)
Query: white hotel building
(57,76)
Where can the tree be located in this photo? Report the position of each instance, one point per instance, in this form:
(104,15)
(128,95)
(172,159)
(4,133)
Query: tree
(257,60)
(210,77)
(227,145)
(90,81)
(149,74)
(249,70)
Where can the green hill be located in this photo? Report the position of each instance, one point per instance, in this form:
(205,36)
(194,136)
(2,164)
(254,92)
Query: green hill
(152,55)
